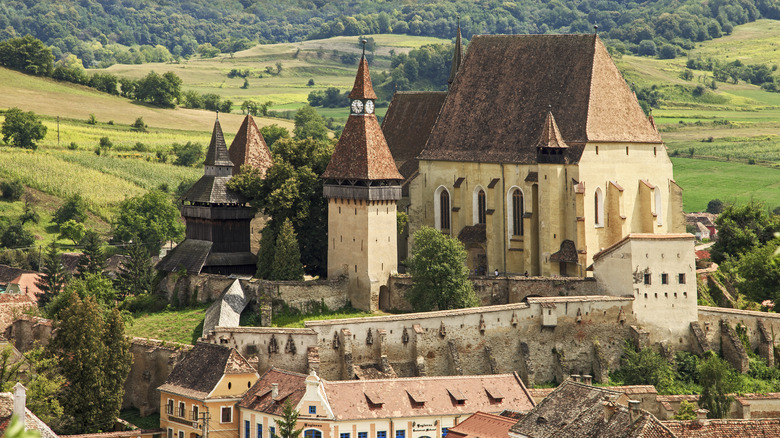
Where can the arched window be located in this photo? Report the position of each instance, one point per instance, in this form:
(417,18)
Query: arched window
(481,207)
(659,209)
(518,210)
(442,208)
(598,204)
(312,433)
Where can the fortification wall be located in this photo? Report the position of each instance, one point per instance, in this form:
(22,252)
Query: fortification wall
(153,361)
(710,317)
(25,331)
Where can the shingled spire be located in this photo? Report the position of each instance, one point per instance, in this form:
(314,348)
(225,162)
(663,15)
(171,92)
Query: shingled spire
(362,152)
(217,156)
(551,135)
(249,148)
(457,56)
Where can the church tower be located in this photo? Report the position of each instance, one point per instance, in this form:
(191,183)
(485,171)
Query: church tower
(362,185)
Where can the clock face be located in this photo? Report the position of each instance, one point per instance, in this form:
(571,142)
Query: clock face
(369,107)
(357,107)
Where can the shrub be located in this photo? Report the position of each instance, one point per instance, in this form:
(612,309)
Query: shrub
(139,125)
(74,208)
(92,120)
(105,143)
(12,190)
(73,146)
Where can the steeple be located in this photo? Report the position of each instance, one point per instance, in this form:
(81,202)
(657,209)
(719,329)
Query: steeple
(249,148)
(363,88)
(217,161)
(457,56)
(551,135)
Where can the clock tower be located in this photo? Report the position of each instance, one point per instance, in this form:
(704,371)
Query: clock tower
(362,185)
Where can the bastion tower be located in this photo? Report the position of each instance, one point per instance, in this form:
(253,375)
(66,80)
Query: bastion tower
(362,185)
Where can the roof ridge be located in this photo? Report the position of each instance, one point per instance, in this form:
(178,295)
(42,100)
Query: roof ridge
(420,378)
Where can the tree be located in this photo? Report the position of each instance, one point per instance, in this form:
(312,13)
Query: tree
(162,91)
(105,143)
(265,256)
(22,129)
(92,259)
(645,367)
(287,255)
(9,368)
(94,357)
(27,54)
(96,286)
(139,125)
(742,228)
(153,217)
(75,207)
(274,132)
(718,379)
(715,206)
(309,124)
(288,424)
(44,384)
(30,213)
(687,411)
(136,275)
(12,190)
(292,189)
(72,230)
(187,154)
(440,278)
(53,278)
(647,48)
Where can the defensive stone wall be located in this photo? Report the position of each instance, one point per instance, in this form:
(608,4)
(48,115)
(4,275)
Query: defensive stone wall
(761,329)
(153,361)
(286,348)
(25,331)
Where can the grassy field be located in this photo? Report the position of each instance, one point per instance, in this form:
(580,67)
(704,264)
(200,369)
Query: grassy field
(184,326)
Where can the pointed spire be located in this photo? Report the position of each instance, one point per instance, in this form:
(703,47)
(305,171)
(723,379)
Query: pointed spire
(249,148)
(551,135)
(457,56)
(217,154)
(363,88)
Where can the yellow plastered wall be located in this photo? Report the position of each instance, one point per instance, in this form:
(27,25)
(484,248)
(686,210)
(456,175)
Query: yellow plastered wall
(234,385)
(216,427)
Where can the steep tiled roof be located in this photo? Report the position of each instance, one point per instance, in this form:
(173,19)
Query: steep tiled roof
(217,154)
(551,135)
(362,152)
(496,107)
(725,428)
(212,190)
(203,367)
(362,88)
(191,254)
(8,273)
(291,386)
(642,236)
(567,253)
(31,422)
(482,425)
(457,56)
(249,148)
(578,410)
(349,401)
(28,285)
(407,125)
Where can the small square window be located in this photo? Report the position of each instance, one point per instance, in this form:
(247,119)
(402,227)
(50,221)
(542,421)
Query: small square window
(313,410)
(400,434)
(344,435)
(664,278)
(381,434)
(444,431)
(226,414)
(362,434)
(648,279)
(681,278)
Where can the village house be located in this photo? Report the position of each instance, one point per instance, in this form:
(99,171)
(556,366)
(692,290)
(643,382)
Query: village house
(538,157)
(15,404)
(482,425)
(199,396)
(418,407)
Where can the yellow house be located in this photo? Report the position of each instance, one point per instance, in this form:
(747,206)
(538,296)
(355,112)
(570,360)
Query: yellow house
(200,395)
(540,156)
(416,407)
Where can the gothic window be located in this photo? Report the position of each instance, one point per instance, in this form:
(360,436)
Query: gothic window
(442,208)
(481,207)
(598,204)
(518,210)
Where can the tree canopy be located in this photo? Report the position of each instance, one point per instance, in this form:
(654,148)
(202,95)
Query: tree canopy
(742,227)
(287,256)
(150,219)
(22,129)
(440,279)
(74,208)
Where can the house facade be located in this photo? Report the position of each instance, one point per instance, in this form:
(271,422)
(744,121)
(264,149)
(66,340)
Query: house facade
(419,407)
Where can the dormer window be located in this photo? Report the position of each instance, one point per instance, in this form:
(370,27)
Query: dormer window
(417,398)
(495,395)
(457,396)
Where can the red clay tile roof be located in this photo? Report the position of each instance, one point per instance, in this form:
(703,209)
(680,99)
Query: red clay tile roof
(457,56)
(31,422)
(482,425)
(362,88)
(567,253)
(407,125)
(27,284)
(551,135)
(202,369)
(725,428)
(362,153)
(217,154)
(642,236)
(249,148)
(291,386)
(497,105)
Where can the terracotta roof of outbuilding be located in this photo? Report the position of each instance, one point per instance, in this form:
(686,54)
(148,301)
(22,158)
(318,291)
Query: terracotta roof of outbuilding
(217,154)
(362,152)
(725,428)
(212,189)
(642,236)
(31,421)
(567,253)
(249,148)
(407,125)
(362,88)
(8,273)
(551,135)
(200,371)
(482,425)
(291,386)
(191,255)
(497,105)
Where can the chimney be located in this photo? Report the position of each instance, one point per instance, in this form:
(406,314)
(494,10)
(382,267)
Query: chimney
(609,409)
(587,379)
(575,377)
(701,416)
(633,410)
(274,391)
(20,401)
